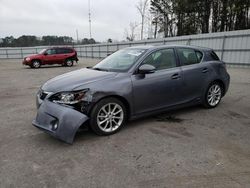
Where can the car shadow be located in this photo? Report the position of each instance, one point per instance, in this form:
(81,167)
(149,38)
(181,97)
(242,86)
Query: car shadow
(49,66)
(171,116)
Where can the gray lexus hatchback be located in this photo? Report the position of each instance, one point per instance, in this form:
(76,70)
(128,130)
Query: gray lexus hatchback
(130,83)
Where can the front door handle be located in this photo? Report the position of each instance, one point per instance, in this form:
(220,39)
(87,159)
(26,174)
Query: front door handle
(204,70)
(175,76)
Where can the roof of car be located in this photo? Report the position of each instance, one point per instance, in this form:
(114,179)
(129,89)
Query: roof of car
(151,47)
(61,47)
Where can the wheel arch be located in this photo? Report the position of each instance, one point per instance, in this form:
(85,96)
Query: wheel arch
(120,98)
(36,60)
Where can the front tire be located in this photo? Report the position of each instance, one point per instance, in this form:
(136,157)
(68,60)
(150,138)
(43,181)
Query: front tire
(36,64)
(213,95)
(108,116)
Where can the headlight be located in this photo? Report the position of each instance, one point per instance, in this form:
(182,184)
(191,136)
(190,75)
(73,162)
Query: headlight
(27,59)
(68,97)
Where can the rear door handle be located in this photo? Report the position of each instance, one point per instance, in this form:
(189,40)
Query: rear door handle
(204,70)
(175,76)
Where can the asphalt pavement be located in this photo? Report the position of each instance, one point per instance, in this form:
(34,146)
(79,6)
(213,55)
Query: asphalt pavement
(191,147)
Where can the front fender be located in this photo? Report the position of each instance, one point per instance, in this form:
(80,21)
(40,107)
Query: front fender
(67,119)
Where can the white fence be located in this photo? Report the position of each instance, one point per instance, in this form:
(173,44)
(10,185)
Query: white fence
(232,47)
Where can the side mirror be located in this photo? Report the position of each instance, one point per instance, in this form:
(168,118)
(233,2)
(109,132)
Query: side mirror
(45,53)
(146,69)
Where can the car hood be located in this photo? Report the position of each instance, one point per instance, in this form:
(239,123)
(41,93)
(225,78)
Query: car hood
(74,79)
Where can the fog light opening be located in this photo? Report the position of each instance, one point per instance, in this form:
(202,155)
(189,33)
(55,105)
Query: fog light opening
(54,124)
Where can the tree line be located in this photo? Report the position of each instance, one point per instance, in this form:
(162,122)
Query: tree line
(168,18)
(163,18)
(185,17)
(30,40)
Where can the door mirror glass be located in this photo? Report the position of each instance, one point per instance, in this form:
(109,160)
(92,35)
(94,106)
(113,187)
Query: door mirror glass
(146,69)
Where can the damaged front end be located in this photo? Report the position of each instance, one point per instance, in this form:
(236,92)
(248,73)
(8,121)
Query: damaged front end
(62,114)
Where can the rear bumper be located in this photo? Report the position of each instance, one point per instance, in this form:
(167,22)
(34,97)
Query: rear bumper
(59,121)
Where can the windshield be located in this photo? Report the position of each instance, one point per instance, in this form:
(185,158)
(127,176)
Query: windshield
(42,51)
(120,61)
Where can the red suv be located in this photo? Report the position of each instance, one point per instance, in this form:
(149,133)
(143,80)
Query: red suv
(56,55)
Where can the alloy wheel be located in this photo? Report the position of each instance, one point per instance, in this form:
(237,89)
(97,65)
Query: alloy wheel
(110,117)
(69,63)
(214,95)
(36,64)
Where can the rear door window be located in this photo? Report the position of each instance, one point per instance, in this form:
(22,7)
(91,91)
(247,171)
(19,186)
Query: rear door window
(64,50)
(189,56)
(60,51)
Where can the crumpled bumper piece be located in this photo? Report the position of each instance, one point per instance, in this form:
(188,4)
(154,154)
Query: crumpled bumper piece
(59,121)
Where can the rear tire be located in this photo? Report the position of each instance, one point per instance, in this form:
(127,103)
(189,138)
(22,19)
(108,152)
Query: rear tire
(213,95)
(108,116)
(69,62)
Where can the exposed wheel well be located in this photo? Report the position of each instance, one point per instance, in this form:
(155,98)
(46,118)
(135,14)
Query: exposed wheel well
(72,58)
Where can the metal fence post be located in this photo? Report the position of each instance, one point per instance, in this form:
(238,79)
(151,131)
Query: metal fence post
(99,48)
(92,53)
(80,51)
(86,55)
(223,47)
(188,41)
(107,49)
(7,56)
(21,52)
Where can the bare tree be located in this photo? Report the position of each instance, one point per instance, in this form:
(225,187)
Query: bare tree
(130,33)
(142,7)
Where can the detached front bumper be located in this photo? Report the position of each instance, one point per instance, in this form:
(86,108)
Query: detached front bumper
(59,121)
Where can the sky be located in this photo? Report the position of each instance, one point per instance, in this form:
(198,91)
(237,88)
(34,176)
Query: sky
(64,17)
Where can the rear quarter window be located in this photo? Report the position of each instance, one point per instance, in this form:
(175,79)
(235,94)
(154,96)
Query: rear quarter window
(212,56)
